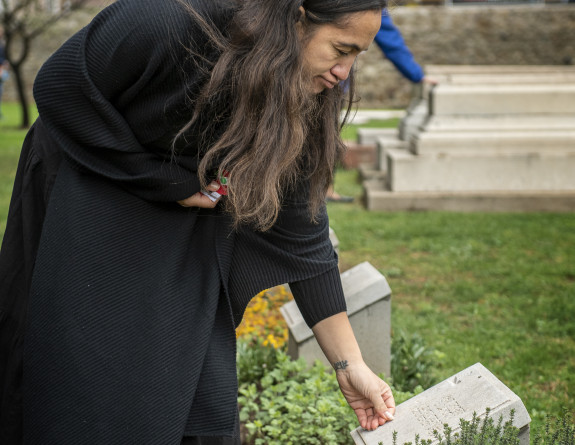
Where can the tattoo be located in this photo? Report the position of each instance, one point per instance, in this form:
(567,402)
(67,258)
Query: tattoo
(340,365)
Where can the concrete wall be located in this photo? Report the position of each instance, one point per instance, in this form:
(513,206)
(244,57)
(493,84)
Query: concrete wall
(476,35)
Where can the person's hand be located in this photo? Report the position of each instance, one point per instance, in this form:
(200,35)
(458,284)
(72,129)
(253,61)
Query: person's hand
(429,80)
(201,200)
(368,395)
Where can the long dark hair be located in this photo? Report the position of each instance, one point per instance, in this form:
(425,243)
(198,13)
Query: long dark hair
(254,114)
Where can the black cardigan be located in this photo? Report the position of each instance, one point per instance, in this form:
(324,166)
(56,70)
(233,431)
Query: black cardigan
(129,335)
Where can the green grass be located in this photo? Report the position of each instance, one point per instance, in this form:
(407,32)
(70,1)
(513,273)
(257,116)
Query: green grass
(349,132)
(492,288)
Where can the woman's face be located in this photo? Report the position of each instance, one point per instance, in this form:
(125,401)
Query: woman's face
(331,50)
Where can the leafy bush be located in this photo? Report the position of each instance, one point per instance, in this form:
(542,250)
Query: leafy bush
(474,432)
(412,362)
(254,360)
(293,403)
(560,431)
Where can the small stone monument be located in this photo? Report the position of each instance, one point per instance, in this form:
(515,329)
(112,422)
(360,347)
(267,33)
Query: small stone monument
(334,240)
(471,390)
(368,298)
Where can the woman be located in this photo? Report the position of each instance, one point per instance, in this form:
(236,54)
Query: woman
(121,281)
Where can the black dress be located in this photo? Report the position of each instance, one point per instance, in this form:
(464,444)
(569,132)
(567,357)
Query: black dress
(117,306)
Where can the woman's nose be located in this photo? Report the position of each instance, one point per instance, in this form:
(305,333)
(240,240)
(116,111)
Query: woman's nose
(341,71)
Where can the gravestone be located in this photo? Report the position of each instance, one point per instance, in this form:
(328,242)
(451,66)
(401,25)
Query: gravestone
(471,390)
(486,138)
(334,240)
(368,299)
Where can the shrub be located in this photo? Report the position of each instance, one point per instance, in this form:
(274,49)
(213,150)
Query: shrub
(293,403)
(559,431)
(474,432)
(412,362)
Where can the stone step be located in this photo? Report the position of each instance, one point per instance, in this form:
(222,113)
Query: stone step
(384,144)
(483,143)
(498,123)
(416,116)
(551,99)
(369,136)
(377,198)
(507,78)
(496,69)
(505,172)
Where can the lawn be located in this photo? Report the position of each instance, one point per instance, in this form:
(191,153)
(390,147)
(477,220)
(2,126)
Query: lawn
(10,143)
(492,288)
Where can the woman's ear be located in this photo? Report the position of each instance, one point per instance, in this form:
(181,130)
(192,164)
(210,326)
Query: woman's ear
(299,24)
(301,14)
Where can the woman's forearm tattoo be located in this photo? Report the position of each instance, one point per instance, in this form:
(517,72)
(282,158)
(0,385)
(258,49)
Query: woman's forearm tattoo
(340,365)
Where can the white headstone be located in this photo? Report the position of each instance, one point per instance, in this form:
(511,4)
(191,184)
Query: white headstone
(471,390)
(368,299)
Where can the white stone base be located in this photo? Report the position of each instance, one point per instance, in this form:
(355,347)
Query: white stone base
(407,172)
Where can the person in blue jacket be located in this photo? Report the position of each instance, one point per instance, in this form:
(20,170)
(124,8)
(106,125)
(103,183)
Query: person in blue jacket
(391,43)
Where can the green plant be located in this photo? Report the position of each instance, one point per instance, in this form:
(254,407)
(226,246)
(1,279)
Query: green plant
(254,360)
(474,432)
(412,362)
(558,431)
(293,403)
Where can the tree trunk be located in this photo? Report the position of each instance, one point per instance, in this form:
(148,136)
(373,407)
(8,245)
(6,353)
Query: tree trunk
(22,96)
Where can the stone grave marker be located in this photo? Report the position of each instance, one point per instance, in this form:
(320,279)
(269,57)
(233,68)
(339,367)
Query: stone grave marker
(471,390)
(368,298)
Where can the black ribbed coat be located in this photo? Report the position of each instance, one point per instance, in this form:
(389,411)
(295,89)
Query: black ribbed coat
(117,306)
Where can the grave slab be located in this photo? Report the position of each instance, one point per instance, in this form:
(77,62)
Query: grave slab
(494,142)
(471,390)
(499,123)
(383,145)
(448,99)
(369,136)
(475,172)
(368,299)
(334,240)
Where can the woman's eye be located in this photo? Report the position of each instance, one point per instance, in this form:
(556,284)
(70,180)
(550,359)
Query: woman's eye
(342,53)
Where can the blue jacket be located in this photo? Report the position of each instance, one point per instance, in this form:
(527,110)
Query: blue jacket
(391,42)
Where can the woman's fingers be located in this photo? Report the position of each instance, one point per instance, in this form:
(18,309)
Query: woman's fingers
(201,200)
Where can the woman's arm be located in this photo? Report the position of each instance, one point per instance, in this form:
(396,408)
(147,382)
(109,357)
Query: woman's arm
(368,395)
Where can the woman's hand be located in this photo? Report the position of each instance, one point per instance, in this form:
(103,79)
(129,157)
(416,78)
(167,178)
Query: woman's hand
(368,395)
(201,200)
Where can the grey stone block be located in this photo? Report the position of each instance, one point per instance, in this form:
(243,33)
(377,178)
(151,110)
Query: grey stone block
(499,123)
(471,390)
(369,136)
(383,145)
(334,240)
(415,118)
(535,172)
(494,142)
(379,199)
(368,298)
(447,99)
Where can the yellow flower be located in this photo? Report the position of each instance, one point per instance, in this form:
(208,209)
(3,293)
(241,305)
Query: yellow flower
(262,318)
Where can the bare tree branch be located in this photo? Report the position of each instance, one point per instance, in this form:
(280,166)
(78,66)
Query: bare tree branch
(23,21)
